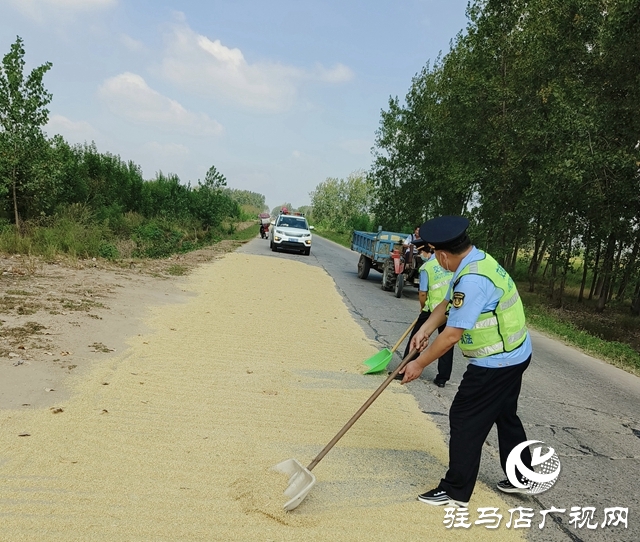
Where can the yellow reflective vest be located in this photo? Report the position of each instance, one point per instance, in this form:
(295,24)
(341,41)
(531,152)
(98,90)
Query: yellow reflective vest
(439,279)
(502,329)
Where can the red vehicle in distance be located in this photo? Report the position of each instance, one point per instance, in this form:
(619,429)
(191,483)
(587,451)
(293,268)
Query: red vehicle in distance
(265,221)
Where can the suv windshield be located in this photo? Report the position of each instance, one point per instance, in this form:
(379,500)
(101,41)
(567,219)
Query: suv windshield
(291,222)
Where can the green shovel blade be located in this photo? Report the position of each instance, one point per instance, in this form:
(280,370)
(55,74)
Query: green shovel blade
(378,362)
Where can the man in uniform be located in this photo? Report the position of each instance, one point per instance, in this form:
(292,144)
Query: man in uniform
(486,319)
(434,284)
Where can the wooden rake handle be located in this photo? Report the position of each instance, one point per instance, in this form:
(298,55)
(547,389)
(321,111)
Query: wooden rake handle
(404,335)
(361,410)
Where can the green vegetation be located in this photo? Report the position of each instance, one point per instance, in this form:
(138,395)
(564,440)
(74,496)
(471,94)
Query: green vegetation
(540,316)
(342,238)
(245,234)
(23,112)
(177,270)
(251,203)
(58,198)
(343,205)
(528,126)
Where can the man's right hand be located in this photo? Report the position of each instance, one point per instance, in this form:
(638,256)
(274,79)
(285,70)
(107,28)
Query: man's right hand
(420,340)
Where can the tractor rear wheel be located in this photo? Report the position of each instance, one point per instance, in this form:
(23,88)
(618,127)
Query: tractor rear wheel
(364,266)
(399,285)
(388,276)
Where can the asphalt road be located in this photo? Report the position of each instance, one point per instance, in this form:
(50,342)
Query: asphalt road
(587,410)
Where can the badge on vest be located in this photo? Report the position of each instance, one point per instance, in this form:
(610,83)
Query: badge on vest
(458,300)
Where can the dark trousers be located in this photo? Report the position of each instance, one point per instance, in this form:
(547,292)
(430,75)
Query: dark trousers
(445,362)
(485,397)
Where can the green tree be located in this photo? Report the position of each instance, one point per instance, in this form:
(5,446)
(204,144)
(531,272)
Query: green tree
(213,179)
(248,198)
(341,204)
(306,210)
(211,203)
(529,125)
(23,113)
(166,197)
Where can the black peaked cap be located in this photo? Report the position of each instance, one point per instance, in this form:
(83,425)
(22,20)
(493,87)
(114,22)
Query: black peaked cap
(444,232)
(419,244)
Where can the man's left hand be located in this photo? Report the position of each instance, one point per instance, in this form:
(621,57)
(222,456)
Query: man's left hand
(412,370)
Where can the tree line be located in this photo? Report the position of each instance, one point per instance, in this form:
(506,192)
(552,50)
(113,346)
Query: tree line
(42,178)
(529,126)
(344,204)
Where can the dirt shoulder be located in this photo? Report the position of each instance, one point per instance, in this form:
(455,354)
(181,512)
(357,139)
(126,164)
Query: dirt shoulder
(58,319)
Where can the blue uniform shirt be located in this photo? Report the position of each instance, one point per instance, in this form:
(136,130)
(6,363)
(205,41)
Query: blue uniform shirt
(481,295)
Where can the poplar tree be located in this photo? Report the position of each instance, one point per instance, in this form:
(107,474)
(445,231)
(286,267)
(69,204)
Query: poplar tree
(23,113)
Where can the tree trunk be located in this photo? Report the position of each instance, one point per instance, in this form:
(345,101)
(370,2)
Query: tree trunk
(615,272)
(599,284)
(585,265)
(595,271)
(514,255)
(502,259)
(629,269)
(635,304)
(565,270)
(607,269)
(14,181)
(543,251)
(553,260)
(560,292)
(535,263)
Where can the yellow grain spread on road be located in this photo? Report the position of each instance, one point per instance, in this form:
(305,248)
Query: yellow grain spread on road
(174,440)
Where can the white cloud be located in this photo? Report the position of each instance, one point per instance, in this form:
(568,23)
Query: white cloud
(338,74)
(37,9)
(128,96)
(72,131)
(170,158)
(131,44)
(198,64)
(166,150)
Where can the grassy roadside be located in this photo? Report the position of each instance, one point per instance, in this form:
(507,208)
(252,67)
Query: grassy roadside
(342,238)
(244,234)
(76,233)
(553,323)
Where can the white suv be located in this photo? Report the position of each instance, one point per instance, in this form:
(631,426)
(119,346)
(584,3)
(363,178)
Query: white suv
(291,232)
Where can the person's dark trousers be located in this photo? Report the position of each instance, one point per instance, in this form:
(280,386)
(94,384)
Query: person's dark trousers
(485,396)
(422,318)
(445,362)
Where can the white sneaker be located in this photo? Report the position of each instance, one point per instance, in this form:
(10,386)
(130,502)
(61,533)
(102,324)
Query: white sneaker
(439,497)
(507,487)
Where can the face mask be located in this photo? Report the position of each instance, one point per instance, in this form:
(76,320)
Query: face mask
(443,260)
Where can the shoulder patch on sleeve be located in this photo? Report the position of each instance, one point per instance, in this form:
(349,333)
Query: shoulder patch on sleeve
(458,300)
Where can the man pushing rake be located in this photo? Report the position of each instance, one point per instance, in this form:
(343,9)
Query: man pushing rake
(483,313)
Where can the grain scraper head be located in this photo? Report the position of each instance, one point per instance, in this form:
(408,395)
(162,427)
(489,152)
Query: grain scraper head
(301,480)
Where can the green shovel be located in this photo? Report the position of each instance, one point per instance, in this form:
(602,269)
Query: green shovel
(378,362)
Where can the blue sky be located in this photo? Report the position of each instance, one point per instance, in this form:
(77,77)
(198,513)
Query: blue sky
(277,95)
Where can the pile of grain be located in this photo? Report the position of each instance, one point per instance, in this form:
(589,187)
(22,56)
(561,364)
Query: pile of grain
(175,440)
